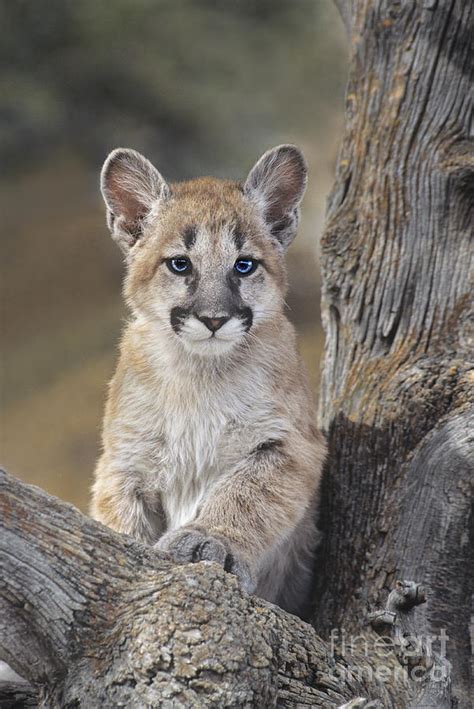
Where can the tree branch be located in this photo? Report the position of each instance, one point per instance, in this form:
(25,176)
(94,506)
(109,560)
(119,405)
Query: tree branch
(56,568)
(414,651)
(17,695)
(93,617)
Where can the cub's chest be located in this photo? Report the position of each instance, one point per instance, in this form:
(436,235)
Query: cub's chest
(196,455)
(205,432)
(201,436)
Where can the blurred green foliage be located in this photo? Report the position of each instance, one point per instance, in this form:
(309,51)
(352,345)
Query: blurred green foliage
(196,83)
(200,87)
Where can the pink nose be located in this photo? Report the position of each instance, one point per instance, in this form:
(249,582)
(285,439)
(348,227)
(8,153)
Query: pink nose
(213,324)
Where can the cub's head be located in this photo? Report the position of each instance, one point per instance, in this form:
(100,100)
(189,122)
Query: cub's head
(205,257)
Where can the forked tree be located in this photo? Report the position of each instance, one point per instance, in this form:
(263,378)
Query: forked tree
(92,618)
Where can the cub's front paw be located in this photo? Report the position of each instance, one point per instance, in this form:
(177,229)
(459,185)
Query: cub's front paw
(192,544)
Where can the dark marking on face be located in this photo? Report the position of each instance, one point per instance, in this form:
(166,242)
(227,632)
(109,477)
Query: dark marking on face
(239,237)
(234,281)
(189,236)
(246,316)
(177,317)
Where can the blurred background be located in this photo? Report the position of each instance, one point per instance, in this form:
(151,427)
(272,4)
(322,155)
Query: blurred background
(200,87)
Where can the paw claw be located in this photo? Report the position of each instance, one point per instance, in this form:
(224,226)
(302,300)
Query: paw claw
(193,545)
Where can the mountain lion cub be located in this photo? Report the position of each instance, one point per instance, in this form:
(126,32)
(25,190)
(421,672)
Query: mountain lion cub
(209,446)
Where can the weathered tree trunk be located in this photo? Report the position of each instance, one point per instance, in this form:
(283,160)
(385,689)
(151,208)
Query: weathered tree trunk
(92,618)
(397,389)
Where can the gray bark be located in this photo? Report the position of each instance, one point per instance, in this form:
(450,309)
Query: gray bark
(92,618)
(397,394)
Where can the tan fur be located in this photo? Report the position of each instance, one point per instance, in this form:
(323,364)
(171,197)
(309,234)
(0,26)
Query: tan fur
(209,445)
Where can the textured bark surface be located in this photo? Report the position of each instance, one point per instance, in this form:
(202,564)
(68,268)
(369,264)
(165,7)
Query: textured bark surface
(92,618)
(397,390)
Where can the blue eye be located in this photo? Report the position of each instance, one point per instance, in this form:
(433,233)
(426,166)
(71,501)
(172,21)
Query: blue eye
(180,265)
(245,266)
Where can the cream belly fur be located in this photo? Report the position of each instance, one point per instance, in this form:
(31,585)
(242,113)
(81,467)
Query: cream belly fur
(209,446)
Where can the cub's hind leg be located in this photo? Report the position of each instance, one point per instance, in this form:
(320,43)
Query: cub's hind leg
(287,574)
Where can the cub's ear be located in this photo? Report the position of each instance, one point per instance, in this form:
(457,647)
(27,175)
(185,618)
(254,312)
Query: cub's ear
(277,183)
(130,186)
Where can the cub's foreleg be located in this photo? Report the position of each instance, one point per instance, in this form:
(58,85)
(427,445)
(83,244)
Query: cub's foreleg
(252,510)
(121,502)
